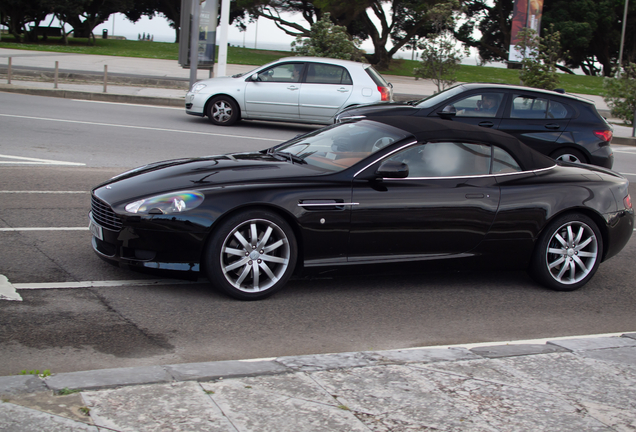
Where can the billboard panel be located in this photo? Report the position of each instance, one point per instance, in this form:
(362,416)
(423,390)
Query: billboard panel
(526,14)
(206,21)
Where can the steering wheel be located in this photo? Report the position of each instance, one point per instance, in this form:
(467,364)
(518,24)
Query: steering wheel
(381,143)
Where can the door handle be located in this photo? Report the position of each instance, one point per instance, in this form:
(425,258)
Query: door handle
(292,88)
(552,126)
(343,90)
(474,196)
(487,124)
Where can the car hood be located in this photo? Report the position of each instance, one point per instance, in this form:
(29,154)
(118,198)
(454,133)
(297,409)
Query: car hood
(198,174)
(220,81)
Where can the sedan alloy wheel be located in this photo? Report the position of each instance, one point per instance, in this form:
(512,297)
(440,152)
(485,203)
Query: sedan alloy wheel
(223,111)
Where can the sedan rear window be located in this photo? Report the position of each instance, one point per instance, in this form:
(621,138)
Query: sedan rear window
(327,74)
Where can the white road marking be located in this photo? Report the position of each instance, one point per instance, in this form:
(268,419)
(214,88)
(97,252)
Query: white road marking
(142,128)
(31,161)
(100,284)
(629,174)
(42,192)
(46,229)
(7,290)
(627,152)
(521,342)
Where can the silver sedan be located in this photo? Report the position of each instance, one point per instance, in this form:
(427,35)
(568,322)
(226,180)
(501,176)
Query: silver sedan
(293,89)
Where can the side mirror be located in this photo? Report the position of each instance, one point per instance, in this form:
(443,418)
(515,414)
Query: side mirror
(448,112)
(392,169)
(254,77)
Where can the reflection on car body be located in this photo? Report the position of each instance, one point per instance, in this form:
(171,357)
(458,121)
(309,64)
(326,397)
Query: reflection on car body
(391,190)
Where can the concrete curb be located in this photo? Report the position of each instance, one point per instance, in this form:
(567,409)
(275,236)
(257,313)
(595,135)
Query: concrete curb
(208,371)
(630,141)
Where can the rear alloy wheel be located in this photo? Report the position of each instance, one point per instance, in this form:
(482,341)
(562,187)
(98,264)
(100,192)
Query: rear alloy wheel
(223,111)
(252,255)
(569,155)
(568,253)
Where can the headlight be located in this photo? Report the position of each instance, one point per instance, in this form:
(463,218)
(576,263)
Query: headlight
(175,202)
(197,87)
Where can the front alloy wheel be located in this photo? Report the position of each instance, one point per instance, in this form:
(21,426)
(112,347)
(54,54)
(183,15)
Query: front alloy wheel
(569,253)
(223,111)
(252,256)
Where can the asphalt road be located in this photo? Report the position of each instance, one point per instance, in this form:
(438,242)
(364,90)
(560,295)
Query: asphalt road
(79,144)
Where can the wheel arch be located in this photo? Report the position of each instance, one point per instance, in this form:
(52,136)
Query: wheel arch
(564,150)
(288,217)
(209,100)
(596,217)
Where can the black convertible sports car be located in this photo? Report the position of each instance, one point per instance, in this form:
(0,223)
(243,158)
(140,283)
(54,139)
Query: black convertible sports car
(391,190)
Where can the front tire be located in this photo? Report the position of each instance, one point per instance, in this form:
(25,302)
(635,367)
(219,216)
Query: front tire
(223,111)
(568,253)
(251,255)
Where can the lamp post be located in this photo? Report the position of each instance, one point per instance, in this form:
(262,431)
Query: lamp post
(620,52)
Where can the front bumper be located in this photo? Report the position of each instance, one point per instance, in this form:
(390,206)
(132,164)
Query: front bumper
(144,248)
(195,104)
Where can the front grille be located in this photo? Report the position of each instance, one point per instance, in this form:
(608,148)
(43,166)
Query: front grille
(104,215)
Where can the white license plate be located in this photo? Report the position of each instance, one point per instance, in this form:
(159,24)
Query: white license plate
(96,230)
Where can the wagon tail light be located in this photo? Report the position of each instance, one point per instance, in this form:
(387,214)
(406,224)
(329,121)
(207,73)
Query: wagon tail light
(605,135)
(385,93)
(627,202)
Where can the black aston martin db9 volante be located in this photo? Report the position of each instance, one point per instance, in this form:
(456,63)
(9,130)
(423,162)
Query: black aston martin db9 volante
(383,191)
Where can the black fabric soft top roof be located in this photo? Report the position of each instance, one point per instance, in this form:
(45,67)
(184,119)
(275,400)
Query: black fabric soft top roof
(432,129)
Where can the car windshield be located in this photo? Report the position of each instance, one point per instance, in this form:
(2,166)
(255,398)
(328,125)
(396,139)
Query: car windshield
(340,146)
(440,97)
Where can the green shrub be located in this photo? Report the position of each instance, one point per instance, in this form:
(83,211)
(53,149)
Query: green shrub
(619,93)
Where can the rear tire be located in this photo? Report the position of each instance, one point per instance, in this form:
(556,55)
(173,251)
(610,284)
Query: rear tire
(251,255)
(568,253)
(223,111)
(569,155)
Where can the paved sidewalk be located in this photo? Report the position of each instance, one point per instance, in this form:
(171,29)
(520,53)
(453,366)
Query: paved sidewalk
(576,384)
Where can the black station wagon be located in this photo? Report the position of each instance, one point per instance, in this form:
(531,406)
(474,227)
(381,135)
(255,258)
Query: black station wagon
(562,126)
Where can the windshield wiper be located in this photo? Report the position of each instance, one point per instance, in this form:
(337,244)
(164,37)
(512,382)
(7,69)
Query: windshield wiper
(281,155)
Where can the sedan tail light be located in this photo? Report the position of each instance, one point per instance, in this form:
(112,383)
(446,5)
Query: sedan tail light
(386,94)
(605,135)
(627,202)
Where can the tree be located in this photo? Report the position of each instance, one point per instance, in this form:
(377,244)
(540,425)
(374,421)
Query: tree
(328,40)
(16,14)
(85,15)
(540,55)
(492,20)
(620,93)
(440,61)
(590,30)
(399,21)
(170,9)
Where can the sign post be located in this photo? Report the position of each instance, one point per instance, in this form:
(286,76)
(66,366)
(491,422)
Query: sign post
(198,30)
